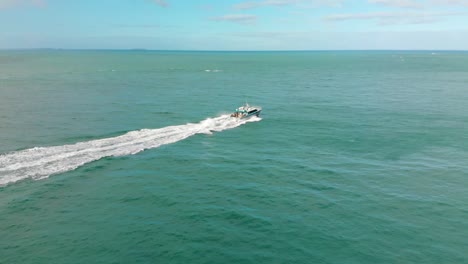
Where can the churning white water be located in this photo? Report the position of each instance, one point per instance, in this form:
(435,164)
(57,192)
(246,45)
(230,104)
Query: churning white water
(41,162)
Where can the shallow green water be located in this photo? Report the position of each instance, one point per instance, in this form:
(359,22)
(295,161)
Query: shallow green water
(359,157)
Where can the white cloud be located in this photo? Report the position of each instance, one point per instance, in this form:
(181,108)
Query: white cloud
(451,2)
(265,3)
(319,3)
(419,3)
(257,4)
(389,18)
(237,18)
(398,3)
(162,3)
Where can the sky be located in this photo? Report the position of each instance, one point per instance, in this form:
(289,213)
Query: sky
(235,24)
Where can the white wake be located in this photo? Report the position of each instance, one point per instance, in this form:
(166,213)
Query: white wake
(41,162)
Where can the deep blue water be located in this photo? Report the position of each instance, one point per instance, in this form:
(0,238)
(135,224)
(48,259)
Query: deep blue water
(130,157)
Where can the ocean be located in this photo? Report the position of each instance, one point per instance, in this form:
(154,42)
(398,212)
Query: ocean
(131,157)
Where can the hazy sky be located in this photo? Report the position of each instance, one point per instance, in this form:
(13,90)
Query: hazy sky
(234,24)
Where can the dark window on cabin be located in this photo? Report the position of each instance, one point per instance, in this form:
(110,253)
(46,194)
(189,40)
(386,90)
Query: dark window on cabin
(252,111)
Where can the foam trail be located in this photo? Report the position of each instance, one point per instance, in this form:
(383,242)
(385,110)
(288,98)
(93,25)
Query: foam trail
(41,162)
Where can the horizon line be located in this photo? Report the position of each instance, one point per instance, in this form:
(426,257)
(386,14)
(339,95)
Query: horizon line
(203,50)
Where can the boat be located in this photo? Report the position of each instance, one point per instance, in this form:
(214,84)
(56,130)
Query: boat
(246,111)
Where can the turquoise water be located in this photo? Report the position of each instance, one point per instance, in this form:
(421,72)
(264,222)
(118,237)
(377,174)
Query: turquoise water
(129,157)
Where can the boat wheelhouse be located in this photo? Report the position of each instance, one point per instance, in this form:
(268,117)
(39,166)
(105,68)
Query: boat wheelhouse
(246,111)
